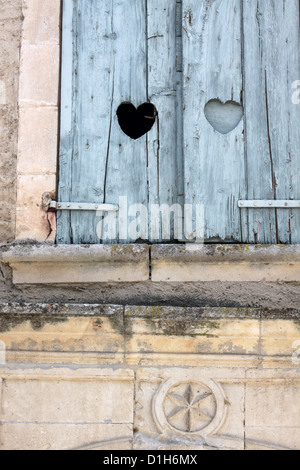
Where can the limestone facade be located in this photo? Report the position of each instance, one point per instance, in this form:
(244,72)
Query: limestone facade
(149,378)
(211,362)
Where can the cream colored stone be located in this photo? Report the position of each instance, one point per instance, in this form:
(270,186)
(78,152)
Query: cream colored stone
(67,401)
(279,336)
(3,100)
(243,272)
(32,222)
(245,405)
(37,144)
(84,358)
(269,410)
(154,418)
(94,336)
(38,88)
(77,436)
(63,408)
(195,337)
(41,21)
(71,273)
(272,438)
(273,405)
(239,263)
(202,336)
(279,362)
(65,264)
(69,335)
(191,360)
(63,343)
(39,77)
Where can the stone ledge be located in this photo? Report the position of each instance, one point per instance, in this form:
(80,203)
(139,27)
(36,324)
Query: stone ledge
(84,264)
(128,312)
(14,372)
(236,263)
(126,335)
(77,264)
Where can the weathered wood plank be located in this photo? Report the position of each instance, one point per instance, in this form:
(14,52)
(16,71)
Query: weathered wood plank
(271,60)
(243,52)
(162,78)
(127,159)
(109,67)
(114,64)
(179,105)
(212,67)
(66,144)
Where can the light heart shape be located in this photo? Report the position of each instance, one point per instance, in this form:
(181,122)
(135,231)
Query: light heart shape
(223,117)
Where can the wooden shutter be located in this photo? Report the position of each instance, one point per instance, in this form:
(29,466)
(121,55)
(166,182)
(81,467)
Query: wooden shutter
(247,52)
(186,57)
(114,52)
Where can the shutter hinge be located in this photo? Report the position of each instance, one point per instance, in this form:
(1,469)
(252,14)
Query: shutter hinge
(268,204)
(82,206)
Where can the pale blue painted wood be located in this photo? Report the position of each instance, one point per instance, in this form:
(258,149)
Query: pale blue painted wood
(162,85)
(64,230)
(108,68)
(239,51)
(271,64)
(247,52)
(120,52)
(212,70)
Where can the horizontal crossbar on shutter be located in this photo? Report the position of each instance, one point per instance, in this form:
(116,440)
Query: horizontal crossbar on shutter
(83,206)
(267,204)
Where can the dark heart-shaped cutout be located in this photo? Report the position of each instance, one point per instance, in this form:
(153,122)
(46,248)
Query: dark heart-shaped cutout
(223,117)
(135,122)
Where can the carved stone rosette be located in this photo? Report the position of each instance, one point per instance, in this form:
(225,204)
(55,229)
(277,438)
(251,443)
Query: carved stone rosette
(190,408)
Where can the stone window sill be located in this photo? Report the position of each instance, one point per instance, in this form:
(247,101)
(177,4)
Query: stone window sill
(84,264)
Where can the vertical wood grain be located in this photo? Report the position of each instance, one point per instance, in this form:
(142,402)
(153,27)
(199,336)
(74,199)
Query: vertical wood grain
(109,67)
(271,61)
(212,68)
(162,78)
(246,51)
(66,137)
(118,54)
(126,159)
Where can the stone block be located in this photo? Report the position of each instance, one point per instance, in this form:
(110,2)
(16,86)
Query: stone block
(37,146)
(39,75)
(67,401)
(32,223)
(271,399)
(188,330)
(78,436)
(3,99)
(66,409)
(76,264)
(279,336)
(239,263)
(65,333)
(41,22)
(190,407)
(267,438)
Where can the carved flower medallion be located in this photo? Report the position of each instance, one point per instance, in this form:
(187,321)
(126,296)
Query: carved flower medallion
(190,407)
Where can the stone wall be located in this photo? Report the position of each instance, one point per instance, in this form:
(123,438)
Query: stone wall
(10,43)
(30,45)
(162,378)
(211,362)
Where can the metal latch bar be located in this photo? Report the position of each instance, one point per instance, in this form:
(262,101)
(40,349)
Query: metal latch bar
(83,206)
(268,204)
